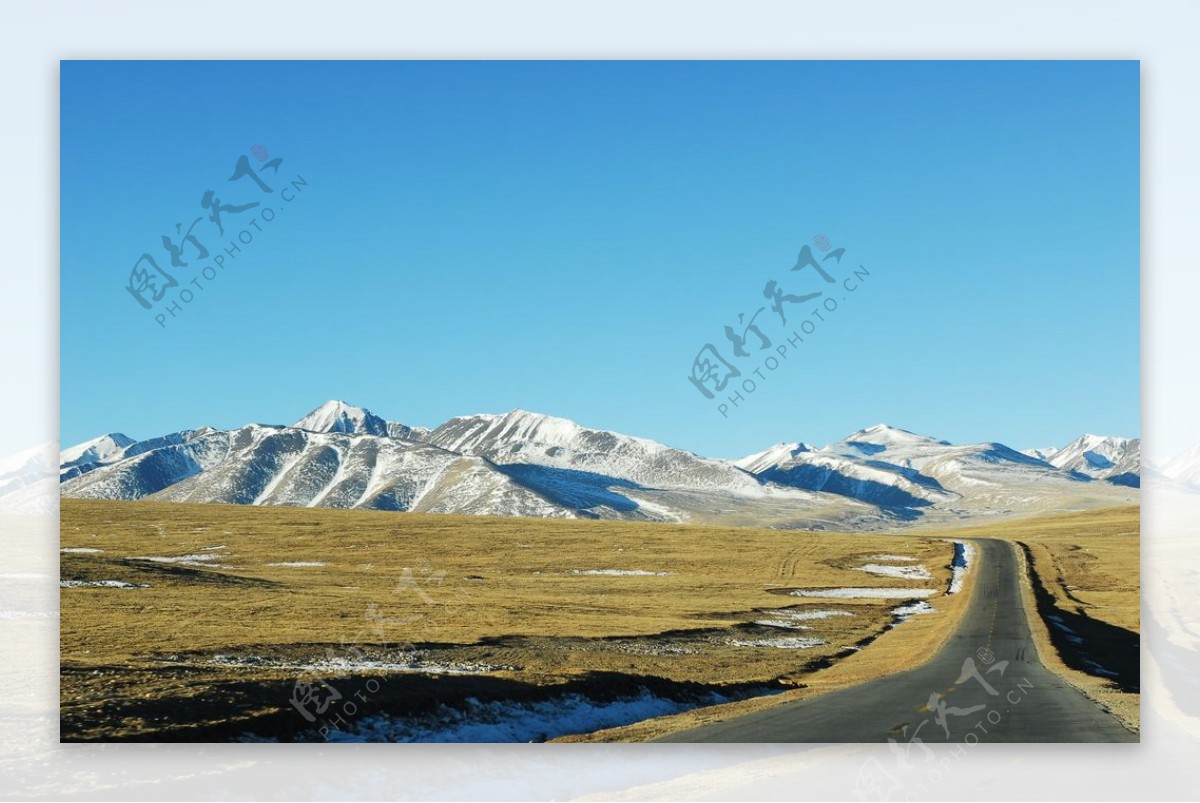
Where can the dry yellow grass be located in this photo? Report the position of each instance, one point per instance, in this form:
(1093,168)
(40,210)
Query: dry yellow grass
(896,650)
(210,648)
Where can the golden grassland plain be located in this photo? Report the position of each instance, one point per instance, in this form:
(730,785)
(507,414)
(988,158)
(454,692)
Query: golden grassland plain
(228,605)
(1084,582)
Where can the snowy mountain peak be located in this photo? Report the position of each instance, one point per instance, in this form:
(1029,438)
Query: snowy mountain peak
(1092,442)
(95,450)
(1185,468)
(338,416)
(1106,457)
(884,436)
(1098,446)
(526,463)
(538,427)
(485,433)
(774,456)
(27,481)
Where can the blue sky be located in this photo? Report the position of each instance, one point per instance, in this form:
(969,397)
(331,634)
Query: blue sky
(564,237)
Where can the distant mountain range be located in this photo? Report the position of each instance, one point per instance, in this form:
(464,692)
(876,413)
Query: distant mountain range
(1117,460)
(27,482)
(527,464)
(1179,473)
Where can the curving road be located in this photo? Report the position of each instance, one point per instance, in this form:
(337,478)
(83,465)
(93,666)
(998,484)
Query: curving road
(985,681)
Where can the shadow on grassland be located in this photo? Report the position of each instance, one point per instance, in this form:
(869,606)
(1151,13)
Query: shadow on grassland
(1086,644)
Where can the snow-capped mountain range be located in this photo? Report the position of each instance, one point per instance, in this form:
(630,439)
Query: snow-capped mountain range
(27,481)
(1117,460)
(528,464)
(1182,472)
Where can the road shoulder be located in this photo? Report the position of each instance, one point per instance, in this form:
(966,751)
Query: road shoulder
(1123,706)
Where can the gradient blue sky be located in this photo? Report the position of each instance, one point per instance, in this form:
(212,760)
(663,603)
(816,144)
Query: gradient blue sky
(564,236)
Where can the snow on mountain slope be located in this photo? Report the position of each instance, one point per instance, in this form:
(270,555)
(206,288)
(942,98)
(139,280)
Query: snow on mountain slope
(72,470)
(406,433)
(1041,454)
(881,438)
(867,481)
(1117,460)
(527,464)
(264,465)
(901,470)
(1184,469)
(848,468)
(96,450)
(147,467)
(286,466)
(521,437)
(472,485)
(338,416)
(27,483)
(771,457)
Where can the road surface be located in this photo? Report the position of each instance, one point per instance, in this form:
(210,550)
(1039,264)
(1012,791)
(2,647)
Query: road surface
(985,681)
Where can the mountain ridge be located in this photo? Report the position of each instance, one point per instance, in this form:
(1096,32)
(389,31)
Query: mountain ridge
(527,463)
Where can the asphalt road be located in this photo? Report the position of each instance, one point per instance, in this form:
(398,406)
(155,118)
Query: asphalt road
(987,680)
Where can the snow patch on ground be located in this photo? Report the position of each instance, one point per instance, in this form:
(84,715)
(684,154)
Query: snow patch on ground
(916,607)
(99,584)
(334,666)
(894,558)
(805,616)
(620,572)
(963,555)
(661,511)
(79,550)
(656,649)
(781,623)
(864,593)
(504,721)
(786,643)
(292,563)
(185,560)
(903,572)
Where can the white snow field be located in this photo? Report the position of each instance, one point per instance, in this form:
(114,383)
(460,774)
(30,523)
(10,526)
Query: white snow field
(620,572)
(99,584)
(964,551)
(864,593)
(517,721)
(782,643)
(902,572)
